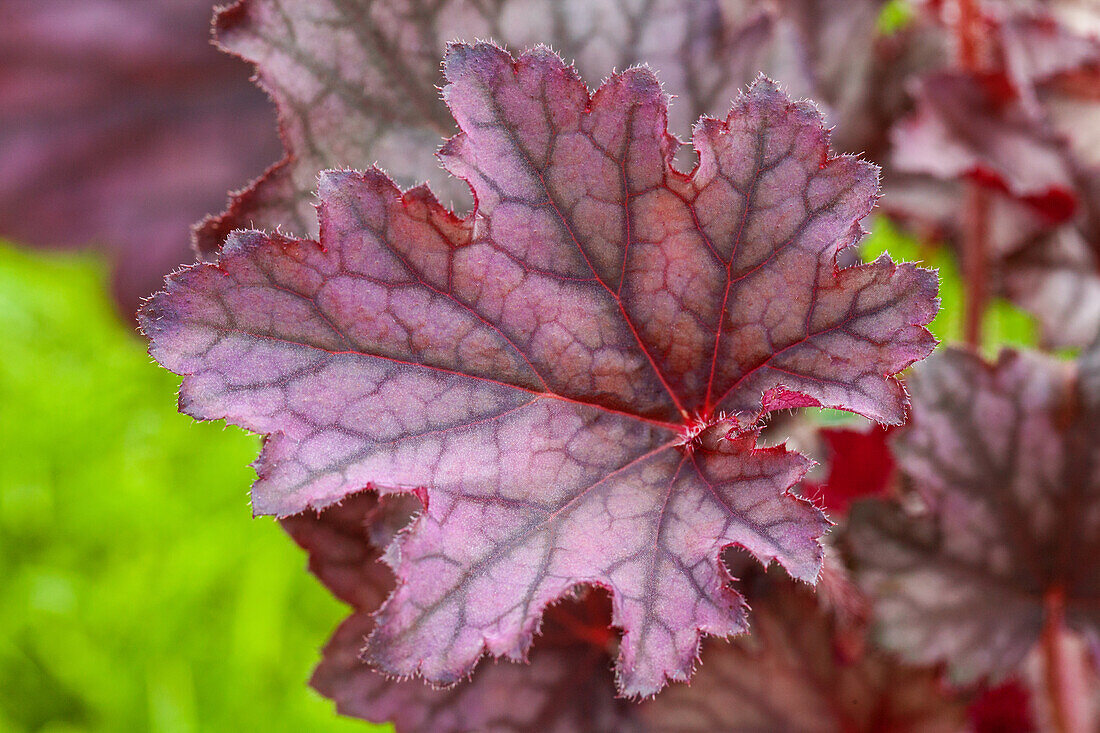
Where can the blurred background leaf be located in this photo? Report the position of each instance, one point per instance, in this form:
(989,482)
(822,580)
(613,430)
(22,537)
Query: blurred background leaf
(138,592)
(120,127)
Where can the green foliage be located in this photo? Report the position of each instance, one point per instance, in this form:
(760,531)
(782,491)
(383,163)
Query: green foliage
(1004,324)
(138,592)
(895,16)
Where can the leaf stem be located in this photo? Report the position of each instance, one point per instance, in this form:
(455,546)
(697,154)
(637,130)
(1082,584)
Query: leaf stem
(975,260)
(968,32)
(1057,685)
(975,256)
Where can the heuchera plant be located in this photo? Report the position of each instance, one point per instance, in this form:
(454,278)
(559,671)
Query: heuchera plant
(572,377)
(540,424)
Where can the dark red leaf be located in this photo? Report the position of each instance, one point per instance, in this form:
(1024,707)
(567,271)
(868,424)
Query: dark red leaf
(1002,709)
(1006,461)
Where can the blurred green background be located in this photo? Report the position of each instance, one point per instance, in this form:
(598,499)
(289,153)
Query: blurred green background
(139,594)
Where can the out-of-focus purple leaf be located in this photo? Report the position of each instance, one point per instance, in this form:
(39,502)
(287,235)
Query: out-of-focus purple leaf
(1006,463)
(964,127)
(1027,128)
(355,81)
(573,374)
(119,126)
(797,671)
(1054,275)
(1038,48)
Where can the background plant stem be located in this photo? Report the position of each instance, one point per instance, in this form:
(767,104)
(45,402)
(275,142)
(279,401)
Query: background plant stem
(1064,703)
(975,254)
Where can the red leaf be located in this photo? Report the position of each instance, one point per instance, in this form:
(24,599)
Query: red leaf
(574,373)
(1002,709)
(860,465)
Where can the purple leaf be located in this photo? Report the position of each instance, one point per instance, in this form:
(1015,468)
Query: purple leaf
(573,375)
(566,686)
(119,127)
(970,126)
(798,671)
(803,668)
(1004,457)
(355,81)
(1039,48)
(1024,128)
(1053,275)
